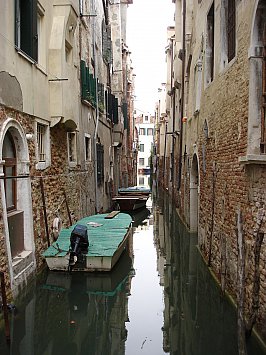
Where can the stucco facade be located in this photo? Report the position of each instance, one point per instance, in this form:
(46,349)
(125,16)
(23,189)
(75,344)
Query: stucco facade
(60,122)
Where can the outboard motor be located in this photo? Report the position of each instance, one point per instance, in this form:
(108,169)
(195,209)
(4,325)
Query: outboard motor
(79,243)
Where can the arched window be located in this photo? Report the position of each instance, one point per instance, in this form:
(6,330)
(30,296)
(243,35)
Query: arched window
(10,170)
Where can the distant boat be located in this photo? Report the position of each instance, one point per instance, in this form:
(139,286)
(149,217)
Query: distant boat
(132,198)
(94,243)
(134,190)
(130,202)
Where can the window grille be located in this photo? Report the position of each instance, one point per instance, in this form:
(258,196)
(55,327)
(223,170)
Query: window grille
(41,141)
(9,156)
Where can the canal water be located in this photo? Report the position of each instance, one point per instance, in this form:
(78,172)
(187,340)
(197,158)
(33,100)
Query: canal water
(159,299)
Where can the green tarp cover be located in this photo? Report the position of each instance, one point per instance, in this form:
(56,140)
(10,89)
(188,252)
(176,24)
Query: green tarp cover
(105,235)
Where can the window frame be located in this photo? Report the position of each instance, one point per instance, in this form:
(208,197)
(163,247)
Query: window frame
(87,146)
(141,160)
(26,35)
(141,147)
(231,29)
(142,131)
(72,148)
(150,129)
(209,59)
(46,149)
(100,163)
(11,163)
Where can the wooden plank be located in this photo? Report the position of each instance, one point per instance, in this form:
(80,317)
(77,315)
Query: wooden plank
(112,214)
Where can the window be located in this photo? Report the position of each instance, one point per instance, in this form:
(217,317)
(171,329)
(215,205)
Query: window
(141,147)
(41,37)
(142,132)
(9,156)
(231,29)
(87,147)
(228,31)
(141,180)
(72,147)
(81,7)
(197,85)
(68,52)
(43,153)
(210,46)
(146,118)
(141,161)
(41,142)
(26,36)
(100,164)
(150,131)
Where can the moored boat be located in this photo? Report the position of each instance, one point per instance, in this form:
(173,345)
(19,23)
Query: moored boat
(94,243)
(130,202)
(134,190)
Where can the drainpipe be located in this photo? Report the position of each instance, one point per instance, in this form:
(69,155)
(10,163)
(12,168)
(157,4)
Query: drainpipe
(182,95)
(97,109)
(164,158)
(173,113)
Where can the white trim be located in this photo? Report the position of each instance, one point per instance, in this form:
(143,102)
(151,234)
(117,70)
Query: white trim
(40,165)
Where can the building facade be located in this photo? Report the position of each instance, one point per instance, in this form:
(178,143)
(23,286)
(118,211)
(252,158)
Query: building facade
(145,128)
(62,123)
(218,171)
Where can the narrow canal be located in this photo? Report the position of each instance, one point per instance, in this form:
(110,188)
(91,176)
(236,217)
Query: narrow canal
(160,299)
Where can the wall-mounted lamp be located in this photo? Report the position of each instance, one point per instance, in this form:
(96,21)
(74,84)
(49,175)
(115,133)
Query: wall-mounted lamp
(29,136)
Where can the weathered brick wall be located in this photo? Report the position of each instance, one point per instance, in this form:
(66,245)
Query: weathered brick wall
(77,183)
(226,185)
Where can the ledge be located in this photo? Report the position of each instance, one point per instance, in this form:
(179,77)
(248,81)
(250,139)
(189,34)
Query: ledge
(250,159)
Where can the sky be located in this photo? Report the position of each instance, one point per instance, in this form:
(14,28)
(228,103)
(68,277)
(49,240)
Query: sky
(147,24)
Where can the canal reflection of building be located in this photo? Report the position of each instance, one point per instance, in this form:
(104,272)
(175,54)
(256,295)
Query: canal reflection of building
(197,319)
(75,313)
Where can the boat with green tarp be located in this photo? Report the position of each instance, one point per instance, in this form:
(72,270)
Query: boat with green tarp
(94,243)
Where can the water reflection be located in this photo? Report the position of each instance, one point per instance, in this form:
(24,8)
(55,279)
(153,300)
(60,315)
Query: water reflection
(165,302)
(198,320)
(77,313)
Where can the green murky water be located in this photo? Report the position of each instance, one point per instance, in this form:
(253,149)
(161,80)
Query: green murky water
(159,299)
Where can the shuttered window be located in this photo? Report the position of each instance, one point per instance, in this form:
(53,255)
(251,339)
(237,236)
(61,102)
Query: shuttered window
(26,37)
(100,164)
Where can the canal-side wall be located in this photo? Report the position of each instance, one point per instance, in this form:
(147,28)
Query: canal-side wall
(219,138)
(63,188)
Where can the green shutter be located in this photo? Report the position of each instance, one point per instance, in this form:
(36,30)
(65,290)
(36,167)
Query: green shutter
(16,21)
(115,109)
(83,76)
(34,33)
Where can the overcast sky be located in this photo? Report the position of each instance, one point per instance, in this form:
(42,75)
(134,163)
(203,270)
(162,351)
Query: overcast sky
(147,38)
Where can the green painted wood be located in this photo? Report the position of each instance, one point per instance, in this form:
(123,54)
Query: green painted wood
(105,235)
